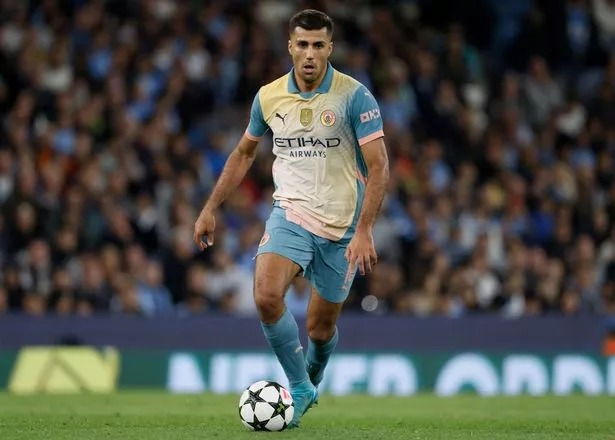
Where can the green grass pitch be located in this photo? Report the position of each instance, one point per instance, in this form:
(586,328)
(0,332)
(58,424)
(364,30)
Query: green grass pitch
(157,415)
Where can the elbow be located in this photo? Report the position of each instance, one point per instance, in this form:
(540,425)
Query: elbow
(245,156)
(382,171)
(386,174)
(378,176)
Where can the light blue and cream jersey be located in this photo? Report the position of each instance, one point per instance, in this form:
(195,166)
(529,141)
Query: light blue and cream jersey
(319,172)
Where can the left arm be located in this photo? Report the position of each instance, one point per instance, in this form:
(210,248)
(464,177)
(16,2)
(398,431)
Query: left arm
(367,126)
(361,250)
(377,161)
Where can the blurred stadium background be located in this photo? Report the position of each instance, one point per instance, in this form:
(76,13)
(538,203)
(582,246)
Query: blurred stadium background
(496,238)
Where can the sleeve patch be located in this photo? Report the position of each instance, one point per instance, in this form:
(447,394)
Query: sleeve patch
(369,115)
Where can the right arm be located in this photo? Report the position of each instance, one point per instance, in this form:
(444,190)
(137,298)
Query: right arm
(235,169)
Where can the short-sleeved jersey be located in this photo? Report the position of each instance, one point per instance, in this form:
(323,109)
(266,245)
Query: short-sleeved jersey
(319,172)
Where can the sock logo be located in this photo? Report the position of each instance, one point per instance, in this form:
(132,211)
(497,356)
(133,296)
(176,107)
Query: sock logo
(298,349)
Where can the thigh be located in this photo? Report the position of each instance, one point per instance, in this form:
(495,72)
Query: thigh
(273,274)
(284,251)
(330,273)
(286,239)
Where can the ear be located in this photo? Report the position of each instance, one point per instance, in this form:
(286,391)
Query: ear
(330,48)
(290,44)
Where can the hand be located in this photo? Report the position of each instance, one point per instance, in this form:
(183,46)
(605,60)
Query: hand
(204,229)
(361,251)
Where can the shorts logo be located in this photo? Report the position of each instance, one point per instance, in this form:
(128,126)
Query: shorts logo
(349,278)
(305,117)
(327,118)
(264,239)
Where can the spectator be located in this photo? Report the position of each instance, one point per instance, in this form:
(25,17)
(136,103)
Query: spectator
(115,122)
(542,93)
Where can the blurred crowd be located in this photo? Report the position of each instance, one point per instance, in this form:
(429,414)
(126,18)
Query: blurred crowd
(116,117)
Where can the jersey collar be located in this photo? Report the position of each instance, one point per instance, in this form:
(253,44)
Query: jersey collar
(324,86)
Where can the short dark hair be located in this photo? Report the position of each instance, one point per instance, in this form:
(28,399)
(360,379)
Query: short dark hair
(310,20)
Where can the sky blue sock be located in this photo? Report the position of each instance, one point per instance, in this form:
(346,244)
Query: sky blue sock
(318,357)
(283,337)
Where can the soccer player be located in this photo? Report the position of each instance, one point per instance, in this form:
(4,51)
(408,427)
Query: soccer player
(330,174)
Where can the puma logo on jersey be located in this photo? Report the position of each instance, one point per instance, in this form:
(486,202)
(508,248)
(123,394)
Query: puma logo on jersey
(277,115)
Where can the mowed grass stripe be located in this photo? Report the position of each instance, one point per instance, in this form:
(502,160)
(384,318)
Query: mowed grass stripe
(158,415)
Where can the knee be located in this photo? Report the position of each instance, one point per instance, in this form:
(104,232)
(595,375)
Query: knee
(269,303)
(320,331)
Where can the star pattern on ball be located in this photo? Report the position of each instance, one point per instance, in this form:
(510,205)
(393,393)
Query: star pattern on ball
(266,406)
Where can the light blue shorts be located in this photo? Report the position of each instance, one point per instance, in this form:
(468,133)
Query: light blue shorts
(322,260)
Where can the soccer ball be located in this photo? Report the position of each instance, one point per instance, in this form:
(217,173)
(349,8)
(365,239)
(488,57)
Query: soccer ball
(266,406)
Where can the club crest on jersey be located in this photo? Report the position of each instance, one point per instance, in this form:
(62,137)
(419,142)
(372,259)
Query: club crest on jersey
(327,118)
(305,117)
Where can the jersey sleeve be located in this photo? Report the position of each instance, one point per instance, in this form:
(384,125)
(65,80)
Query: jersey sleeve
(365,116)
(257,126)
